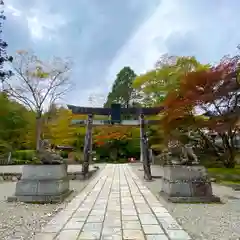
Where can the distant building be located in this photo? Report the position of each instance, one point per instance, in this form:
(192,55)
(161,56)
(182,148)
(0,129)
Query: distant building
(64,148)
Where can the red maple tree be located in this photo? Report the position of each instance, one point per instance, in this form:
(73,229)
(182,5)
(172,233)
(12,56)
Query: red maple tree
(215,93)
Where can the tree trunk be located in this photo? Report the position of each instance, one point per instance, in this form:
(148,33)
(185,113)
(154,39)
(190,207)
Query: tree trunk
(229,161)
(144,151)
(38,131)
(229,152)
(210,144)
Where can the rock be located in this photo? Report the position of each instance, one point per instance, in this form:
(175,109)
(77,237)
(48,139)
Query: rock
(14,179)
(237,187)
(73,177)
(1,178)
(213,180)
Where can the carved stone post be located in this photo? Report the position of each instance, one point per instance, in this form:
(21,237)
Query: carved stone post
(87,145)
(144,151)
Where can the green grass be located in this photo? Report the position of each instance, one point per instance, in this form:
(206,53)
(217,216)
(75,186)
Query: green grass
(230,182)
(226,176)
(234,171)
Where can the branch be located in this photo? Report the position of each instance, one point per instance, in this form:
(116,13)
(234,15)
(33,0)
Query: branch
(38,81)
(51,87)
(21,98)
(56,96)
(19,71)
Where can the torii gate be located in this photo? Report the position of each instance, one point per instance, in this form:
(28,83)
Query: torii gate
(115,112)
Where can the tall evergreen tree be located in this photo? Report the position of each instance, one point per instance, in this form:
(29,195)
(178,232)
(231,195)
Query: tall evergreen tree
(122,90)
(4,73)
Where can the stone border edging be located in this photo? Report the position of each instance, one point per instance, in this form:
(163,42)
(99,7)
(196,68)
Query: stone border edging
(14,177)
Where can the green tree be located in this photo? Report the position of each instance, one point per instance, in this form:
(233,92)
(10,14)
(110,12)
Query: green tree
(13,123)
(165,77)
(59,130)
(122,90)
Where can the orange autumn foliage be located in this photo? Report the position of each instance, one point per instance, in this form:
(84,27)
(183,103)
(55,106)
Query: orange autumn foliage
(204,89)
(107,133)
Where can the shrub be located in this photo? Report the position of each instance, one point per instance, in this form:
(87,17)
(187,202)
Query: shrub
(21,162)
(24,155)
(64,154)
(209,161)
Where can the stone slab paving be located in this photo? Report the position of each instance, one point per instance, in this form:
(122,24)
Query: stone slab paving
(201,221)
(115,205)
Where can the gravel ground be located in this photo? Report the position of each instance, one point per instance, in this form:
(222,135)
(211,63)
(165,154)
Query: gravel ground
(20,221)
(203,221)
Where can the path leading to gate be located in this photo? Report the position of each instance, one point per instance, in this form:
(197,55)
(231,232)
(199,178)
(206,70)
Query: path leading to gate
(115,205)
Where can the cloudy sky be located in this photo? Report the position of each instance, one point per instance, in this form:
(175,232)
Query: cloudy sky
(102,36)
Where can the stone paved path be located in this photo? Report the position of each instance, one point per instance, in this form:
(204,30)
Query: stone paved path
(115,205)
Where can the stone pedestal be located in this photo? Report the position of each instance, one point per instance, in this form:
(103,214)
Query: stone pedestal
(187,184)
(42,184)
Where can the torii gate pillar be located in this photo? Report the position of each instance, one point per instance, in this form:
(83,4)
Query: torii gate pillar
(87,146)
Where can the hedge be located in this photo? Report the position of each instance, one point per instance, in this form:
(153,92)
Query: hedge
(26,155)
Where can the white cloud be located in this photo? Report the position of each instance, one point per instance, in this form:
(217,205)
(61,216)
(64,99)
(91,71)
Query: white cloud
(148,42)
(94,97)
(103,36)
(15,12)
(43,26)
(204,29)
(35,27)
(89,32)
